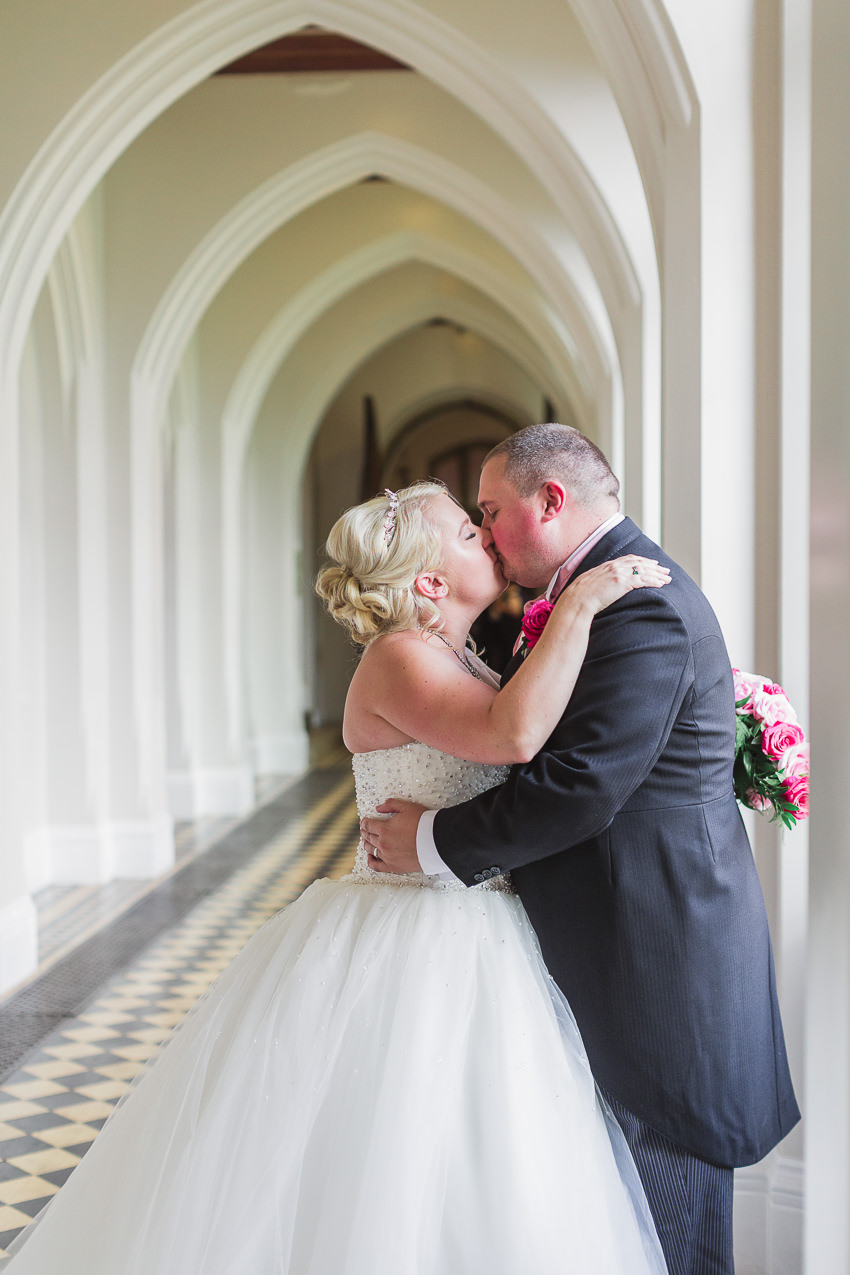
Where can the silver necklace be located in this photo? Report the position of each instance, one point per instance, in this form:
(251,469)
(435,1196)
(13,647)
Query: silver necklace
(464,659)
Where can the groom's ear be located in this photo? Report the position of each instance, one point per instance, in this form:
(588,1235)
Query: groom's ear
(430,585)
(553,499)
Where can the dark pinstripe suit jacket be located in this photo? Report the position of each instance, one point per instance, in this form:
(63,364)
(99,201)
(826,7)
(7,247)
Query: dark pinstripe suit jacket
(627,848)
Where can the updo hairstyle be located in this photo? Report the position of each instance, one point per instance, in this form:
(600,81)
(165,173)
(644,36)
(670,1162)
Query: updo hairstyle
(371,589)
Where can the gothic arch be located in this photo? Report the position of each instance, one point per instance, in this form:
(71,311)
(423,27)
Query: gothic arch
(281,334)
(323,173)
(143,83)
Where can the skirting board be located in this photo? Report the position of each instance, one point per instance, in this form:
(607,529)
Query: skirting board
(143,848)
(226,790)
(287,754)
(18,941)
(769,1203)
(93,854)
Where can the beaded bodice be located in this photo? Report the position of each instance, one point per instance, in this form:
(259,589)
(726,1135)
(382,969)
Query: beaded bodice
(417,772)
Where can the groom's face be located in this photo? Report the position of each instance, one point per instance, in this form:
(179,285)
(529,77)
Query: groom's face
(514,524)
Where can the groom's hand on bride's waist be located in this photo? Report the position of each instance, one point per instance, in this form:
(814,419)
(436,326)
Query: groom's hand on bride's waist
(391,843)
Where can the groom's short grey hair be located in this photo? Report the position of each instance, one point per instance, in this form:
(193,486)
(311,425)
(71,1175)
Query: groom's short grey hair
(541,452)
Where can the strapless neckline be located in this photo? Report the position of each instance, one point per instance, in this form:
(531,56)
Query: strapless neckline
(414,771)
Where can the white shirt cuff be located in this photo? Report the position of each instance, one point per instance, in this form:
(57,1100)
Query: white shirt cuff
(426,850)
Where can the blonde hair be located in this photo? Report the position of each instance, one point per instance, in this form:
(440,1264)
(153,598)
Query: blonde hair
(370,591)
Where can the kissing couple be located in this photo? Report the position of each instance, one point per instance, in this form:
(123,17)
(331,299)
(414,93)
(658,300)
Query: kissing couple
(536,1028)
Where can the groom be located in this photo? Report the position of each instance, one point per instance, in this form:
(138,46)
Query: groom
(627,848)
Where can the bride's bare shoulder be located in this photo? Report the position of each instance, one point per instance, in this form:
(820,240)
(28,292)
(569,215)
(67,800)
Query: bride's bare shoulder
(393,648)
(386,674)
(393,662)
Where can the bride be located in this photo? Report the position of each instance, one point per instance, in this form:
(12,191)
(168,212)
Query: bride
(385,1081)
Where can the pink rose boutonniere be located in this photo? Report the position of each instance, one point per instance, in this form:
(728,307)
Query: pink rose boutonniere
(771,753)
(533,624)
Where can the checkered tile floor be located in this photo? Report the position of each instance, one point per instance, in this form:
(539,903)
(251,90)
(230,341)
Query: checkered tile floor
(66,912)
(56,1099)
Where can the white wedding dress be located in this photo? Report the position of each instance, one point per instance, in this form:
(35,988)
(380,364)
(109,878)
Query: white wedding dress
(384,1082)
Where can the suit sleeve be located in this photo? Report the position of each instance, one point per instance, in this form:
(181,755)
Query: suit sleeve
(634,680)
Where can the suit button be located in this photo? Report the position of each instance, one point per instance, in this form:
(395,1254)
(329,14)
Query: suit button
(479,876)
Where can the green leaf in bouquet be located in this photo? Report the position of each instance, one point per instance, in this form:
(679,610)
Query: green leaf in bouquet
(741,732)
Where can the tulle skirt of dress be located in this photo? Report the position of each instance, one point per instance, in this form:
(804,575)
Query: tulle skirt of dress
(384,1082)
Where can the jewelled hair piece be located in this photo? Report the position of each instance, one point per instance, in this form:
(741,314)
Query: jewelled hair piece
(392,513)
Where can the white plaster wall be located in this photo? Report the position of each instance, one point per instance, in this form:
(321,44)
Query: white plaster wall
(84,43)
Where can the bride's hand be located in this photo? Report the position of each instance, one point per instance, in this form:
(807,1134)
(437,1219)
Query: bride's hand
(602,585)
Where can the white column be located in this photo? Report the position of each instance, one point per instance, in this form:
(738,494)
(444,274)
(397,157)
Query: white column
(62,840)
(64,568)
(276,687)
(827,1097)
(180,796)
(770,1196)
(790,914)
(728,327)
(679,264)
(66,847)
(334,476)
(750,431)
(217,778)
(93,596)
(138,828)
(18,920)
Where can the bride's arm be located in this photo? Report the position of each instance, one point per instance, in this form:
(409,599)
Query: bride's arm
(423,691)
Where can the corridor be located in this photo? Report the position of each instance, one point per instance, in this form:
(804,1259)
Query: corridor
(261,259)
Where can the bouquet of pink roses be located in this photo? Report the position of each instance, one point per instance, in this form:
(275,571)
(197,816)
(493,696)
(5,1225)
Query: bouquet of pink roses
(771,753)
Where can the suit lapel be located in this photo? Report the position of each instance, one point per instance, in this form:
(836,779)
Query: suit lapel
(612,545)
